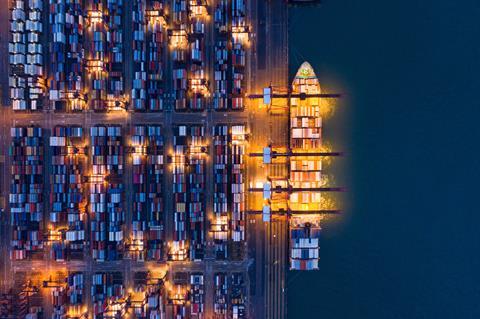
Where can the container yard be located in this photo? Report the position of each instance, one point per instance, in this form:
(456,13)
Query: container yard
(197,296)
(228,226)
(179,298)
(239,35)
(149,34)
(221,91)
(178,34)
(220,307)
(136,153)
(76,294)
(189,197)
(198,82)
(237,222)
(148,233)
(86,69)
(108,295)
(179,246)
(26,193)
(107,215)
(67,200)
(66,87)
(196,192)
(95,48)
(220,223)
(238,295)
(148,299)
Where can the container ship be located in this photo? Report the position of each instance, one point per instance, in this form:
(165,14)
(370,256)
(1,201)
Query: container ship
(305,170)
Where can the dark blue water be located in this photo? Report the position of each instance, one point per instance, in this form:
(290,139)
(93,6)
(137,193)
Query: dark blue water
(408,245)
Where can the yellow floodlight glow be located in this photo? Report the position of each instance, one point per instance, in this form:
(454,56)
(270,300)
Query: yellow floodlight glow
(240,34)
(155,17)
(95,16)
(178,39)
(199,85)
(197,9)
(96,66)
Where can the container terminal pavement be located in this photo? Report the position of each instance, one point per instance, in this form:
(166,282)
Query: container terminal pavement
(155,161)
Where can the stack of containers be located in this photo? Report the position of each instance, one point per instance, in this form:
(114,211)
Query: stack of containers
(178,251)
(98,190)
(197,296)
(238,53)
(139,84)
(179,34)
(148,45)
(26,189)
(139,210)
(106,192)
(221,67)
(220,196)
(221,18)
(304,244)
(196,188)
(6,304)
(180,87)
(155,162)
(75,292)
(237,90)
(140,301)
(220,306)
(115,52)
(27,80)
(155,44)
(222,56)
(116,214)
(66,197)
(198,83)
(106,288)
(237,296)
(96,57)
(58,54)
(17,49)
(155,307)
(66,55)
(179,297)
(198,88)
(34,67)
(238,183)
(59,300)
(34,312)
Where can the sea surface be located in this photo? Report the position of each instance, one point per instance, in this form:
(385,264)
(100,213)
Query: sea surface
(408,243)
